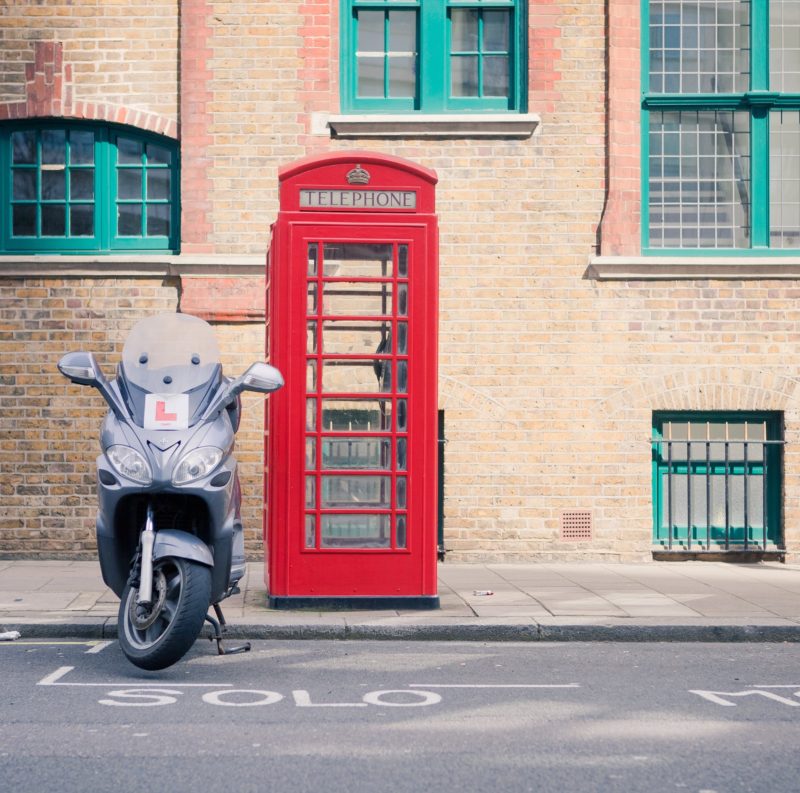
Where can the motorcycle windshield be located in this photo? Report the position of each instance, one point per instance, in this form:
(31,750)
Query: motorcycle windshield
(170,354)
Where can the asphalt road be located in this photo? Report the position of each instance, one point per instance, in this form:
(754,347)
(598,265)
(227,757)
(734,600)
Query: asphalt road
(386,716)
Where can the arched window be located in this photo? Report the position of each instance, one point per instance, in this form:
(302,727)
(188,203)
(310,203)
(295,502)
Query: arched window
(70,187)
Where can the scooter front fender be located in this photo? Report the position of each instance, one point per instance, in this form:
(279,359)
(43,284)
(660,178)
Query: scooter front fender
(171,542)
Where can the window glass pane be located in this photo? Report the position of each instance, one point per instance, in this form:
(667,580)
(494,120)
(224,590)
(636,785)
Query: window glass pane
(495,75)
(357,299)
(129,220)
(464,30)
(310,531)
(402,77)
(312,258)
(157,155)
(371,31)
(158,183)
(53,185)
(355,531)
(700,179)
(495,31)
(700,45)
(784,179)
(370,76)
(356,338)
(158,220)
(81,147)
(356,492)
(403,32)
(311,337)
(357,453)
(357,260)
(356,377)
(464,75)
(81,184)
(402,453)
(356,415)
(23,147)
(784,37)
(54,146)
(81,219)
(23,222)
(129,183)
(400,531)
(402,261)
(24,185)
(129,151)
(54,220)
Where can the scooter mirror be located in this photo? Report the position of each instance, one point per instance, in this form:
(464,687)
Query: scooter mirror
(81,368)
(262,377)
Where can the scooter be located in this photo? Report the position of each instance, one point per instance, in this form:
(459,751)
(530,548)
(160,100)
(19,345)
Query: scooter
(169,529)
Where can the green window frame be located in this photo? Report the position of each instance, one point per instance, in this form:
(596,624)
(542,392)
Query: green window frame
(433,56)
(720,127)
(74,187)
(725,470)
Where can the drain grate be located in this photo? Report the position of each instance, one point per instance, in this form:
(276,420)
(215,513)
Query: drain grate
(576,526)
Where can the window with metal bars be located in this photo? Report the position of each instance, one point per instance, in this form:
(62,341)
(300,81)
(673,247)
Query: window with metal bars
(68,187)
(433,56)
(717,481)
(721,126)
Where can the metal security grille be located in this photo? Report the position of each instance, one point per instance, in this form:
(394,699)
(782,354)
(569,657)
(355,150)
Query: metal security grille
(576,526)
(717,481)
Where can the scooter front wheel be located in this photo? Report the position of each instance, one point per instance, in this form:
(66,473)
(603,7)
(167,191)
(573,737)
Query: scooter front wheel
(158,635)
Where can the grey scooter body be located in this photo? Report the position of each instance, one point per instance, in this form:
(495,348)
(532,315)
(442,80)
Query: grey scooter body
(167,482)
(199,521)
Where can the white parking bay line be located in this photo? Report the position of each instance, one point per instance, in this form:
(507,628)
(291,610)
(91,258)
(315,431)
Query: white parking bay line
(494,685)
(54,677)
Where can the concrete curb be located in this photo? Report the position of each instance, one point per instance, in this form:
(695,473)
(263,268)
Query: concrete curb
(457,631)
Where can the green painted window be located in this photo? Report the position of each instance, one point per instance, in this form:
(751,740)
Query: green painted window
(69,188)
(721,126)
(717,480)
(433,56)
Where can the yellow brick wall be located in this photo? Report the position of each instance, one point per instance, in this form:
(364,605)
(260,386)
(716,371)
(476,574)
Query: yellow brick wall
(120,52)
(548,379)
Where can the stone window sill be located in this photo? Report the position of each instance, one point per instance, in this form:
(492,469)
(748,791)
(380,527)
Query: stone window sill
(120,266)
(496,125)
(653,268)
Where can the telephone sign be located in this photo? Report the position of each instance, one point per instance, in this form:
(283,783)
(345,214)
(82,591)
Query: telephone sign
(351,438)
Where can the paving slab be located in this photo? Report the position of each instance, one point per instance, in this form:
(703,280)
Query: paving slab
(661,601)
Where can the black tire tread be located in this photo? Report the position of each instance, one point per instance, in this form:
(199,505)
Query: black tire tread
(185,627)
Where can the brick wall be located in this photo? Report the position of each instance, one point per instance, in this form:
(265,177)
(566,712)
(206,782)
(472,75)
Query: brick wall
(123,54)
(50,431)
(548,379)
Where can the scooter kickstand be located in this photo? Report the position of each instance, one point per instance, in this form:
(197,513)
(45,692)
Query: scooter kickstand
(219,626)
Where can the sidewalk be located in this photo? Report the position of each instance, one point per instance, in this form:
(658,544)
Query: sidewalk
(657,601)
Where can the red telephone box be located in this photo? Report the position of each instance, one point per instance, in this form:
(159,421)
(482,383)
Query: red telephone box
(352,308)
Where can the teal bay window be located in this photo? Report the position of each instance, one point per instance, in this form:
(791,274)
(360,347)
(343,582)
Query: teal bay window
(433,56)
(74,187)
(721,126)
(717,481)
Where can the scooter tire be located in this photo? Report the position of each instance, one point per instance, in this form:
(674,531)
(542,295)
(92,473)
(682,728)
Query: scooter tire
(174,631)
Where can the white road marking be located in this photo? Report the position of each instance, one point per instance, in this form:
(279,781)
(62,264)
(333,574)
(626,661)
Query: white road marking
(303,700)
(98,648)
(53,678)
(265,698)
(718,697)
(493,685)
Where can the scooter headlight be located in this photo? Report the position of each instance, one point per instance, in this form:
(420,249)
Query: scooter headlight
(197,464)
(130,463)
